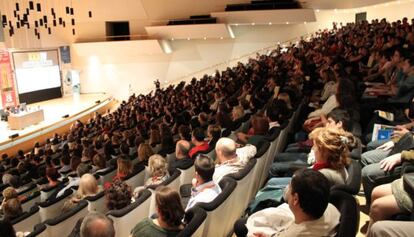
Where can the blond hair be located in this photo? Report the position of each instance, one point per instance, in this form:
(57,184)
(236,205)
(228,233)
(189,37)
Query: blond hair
(157,166)
(335,144)
(88,186)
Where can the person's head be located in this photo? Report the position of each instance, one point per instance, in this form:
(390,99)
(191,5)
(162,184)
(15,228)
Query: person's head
(82,169)
(307,194)
(260,125)
(65,160)
(340,119)
(96,224)
(169,207)
(124,164)
(15,181)
(332,146)
(6,229)
(9,193)
(345,94)
(158,166)
(214,131)
(118,195)
(225,149)
(52,174)
(12,209)
(144,151)
(6,178)
(88,186)
(99,161)
(237,112)
(198,136)
(74,162)
(204,168)
(408,64)
(184,132)
(181,149)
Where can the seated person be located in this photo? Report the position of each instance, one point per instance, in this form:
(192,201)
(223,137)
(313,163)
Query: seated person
(181,159)
(65,163)
(74,181)
(307,211)
(144,152)
(88,186)
(391,229)
(52,177)
(213,134)
(197,139)
(96,224)
(231,160)
(158,170)
(257,132)
(287,163)
(12,209)
(170,214)
(204,189)
(124,168)
(99,164)
(390,199)
(118,195)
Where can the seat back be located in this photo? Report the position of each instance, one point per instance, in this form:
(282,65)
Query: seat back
(262,153)
(217,209)
(244,186)
(195,218)
(63,224)
(137,178)
(348,207)
(125,219)
(97,203)
(353,182)
(27,221)
(187,175)
(52,209)
(31,201)
(39,231)
(107,175)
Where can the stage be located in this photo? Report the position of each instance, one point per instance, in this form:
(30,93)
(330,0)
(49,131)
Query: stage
(54,110)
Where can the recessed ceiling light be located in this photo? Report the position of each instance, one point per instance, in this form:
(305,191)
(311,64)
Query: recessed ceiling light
(270,23)
(317,10)
(205,38)
(221,37)
(236,24)
(188,38)
(253,23)
(305,22)
(287,22)
(172,39)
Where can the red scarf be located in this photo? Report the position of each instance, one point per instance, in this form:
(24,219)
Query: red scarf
(320,165)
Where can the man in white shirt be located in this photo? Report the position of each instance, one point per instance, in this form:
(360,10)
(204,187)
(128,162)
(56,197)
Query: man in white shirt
(307,211)
(204,188)
(230,159)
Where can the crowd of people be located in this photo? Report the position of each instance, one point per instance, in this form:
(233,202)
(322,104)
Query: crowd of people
(344,75)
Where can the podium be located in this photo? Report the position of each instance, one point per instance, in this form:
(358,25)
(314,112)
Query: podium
(24,119)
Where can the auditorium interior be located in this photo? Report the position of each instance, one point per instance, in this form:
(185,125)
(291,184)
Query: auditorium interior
(218,118)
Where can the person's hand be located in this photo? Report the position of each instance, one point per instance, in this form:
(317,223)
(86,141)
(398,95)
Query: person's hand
(241,136)
(399,131)
(390,162)
(386,146)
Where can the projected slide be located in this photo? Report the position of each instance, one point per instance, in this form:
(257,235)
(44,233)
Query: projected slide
(37,75)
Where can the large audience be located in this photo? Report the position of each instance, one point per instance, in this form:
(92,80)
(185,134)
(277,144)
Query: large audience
(336,81)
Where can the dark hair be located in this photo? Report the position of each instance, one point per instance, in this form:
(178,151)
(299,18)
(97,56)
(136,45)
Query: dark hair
(198,134)
(65,159)
(169,205)
(340,115)
(118,195)
(204,166)
(185,132)
(100,161)
(52,173)
(345,94)
(83,169)
(6,229)
(312,188)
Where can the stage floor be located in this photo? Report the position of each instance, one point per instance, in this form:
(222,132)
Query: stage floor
(53,111)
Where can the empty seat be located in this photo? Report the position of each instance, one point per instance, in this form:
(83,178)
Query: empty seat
(97,203)
(219,209)
(137,178)
(27,221)
(31,201)
(125,219)
(51,209)
(63,224)
(195,218)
